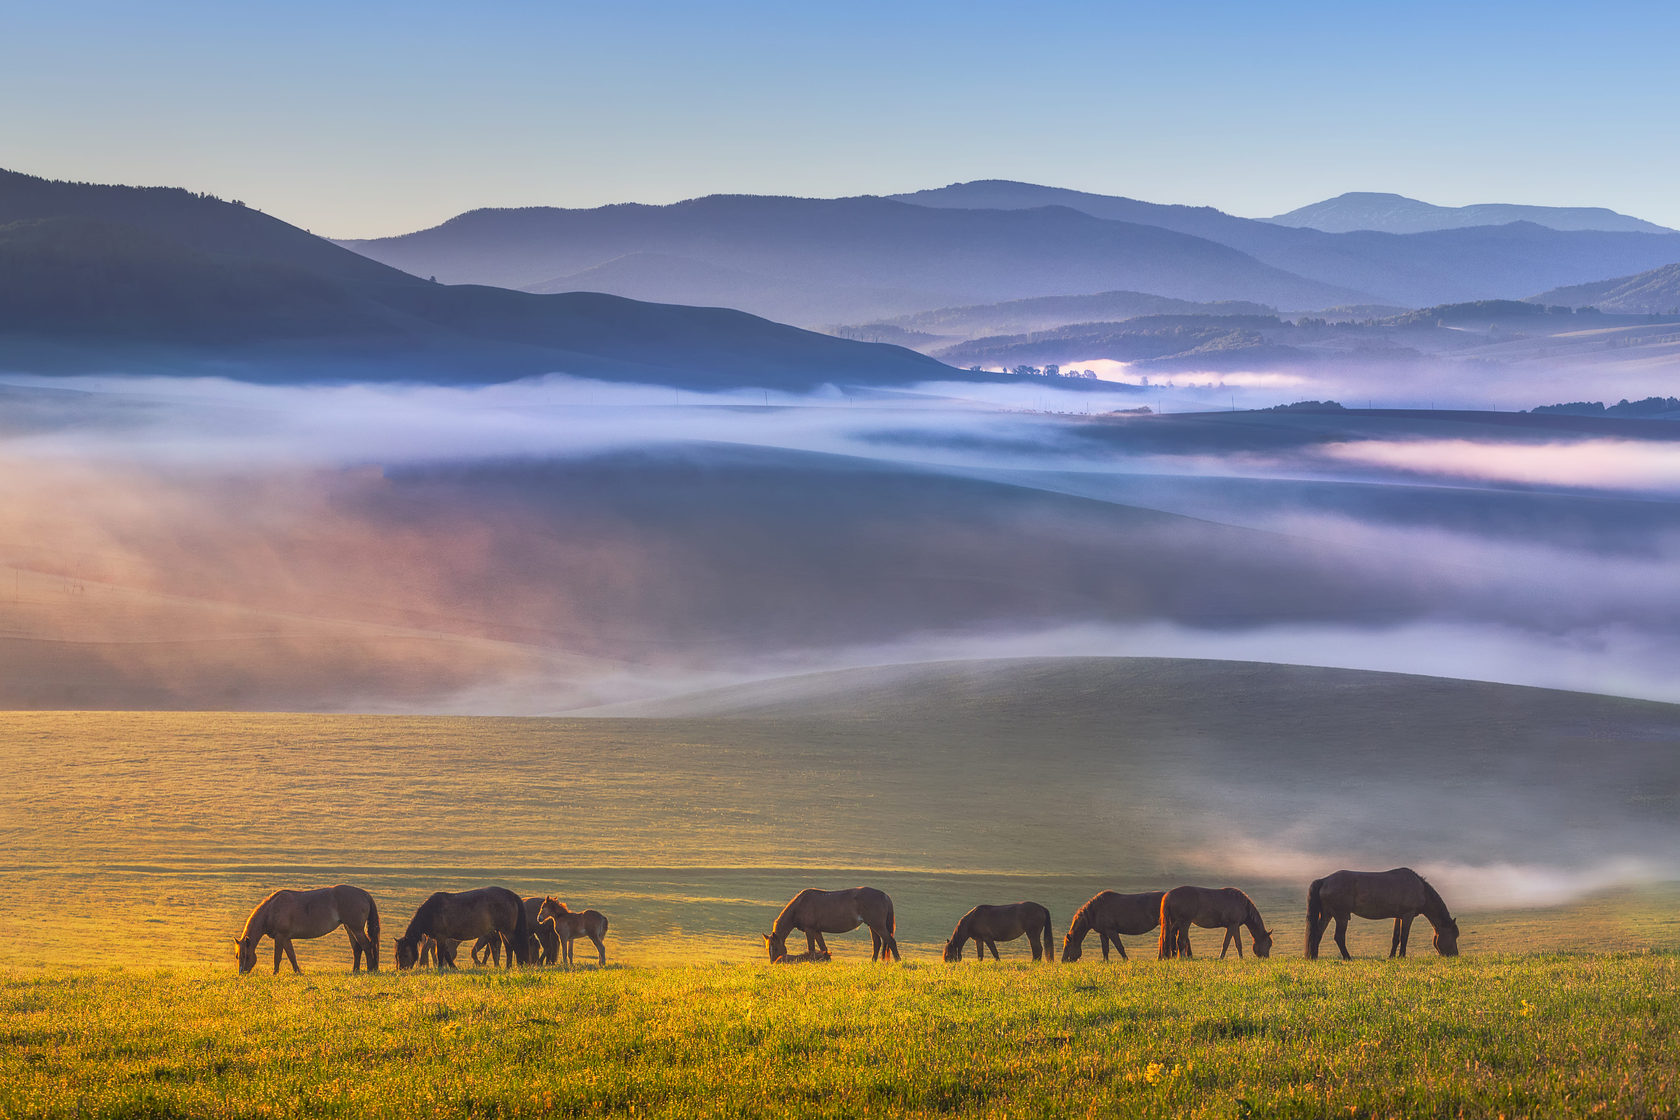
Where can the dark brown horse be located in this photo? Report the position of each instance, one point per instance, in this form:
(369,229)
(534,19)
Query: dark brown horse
(566,926)
(467,916)
(436,953)
(1211,908)
(987,925)
(543,947)
(1112,915)
(814,913)
(285,915)
(1401,894)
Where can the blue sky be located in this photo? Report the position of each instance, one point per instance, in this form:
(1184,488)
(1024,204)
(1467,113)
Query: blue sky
(361,119)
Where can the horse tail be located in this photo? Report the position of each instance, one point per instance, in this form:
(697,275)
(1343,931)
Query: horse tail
(521,947)
(1315,918)
(1049,939)
(373,935)
(1167,944)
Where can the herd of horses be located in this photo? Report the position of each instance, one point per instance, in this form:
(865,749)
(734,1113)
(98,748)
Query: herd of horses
(542,930)
(498,922)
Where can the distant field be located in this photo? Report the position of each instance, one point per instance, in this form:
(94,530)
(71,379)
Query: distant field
(1478,1036)
(946,785)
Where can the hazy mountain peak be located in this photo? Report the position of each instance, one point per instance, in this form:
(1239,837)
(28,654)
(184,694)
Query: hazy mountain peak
(1394,213)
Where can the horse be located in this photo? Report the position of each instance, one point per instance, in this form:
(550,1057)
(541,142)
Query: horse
(814,913)
(466,916)
(810,956)
(543,946)
(987,925)
(288,914)
(1111,915)
(566,926)
(1210,908)
(1401,894)
(436,953)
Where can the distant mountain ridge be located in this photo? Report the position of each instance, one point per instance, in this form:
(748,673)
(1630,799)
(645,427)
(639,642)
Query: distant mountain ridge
(1394,213)
(1413,270)
(113,278)
(819,261)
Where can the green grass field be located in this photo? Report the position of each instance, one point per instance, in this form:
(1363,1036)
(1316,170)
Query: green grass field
(1490,1036)
(132,845)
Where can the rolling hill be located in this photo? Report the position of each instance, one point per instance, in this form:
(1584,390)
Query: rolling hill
(112,278)
(1393,213)
(1656,292)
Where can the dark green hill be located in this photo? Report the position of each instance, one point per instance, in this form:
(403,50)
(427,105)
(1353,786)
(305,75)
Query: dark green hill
(109,278)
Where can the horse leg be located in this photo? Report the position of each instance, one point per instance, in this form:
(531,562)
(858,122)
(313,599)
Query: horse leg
(1119,945)
(1341,936)
(821,944)
(1032,939)
(1225,946)
(810,942)
(600,947)
(1402,934)
(292,956)
(992,945)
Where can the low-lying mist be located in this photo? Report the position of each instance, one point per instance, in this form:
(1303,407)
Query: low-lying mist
(547,545)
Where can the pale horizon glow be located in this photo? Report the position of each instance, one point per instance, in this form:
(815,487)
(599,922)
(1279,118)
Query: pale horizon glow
(368,120)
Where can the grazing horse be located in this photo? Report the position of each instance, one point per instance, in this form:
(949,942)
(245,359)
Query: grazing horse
(1111,915)
(467,916)
(1210,908)
(566,926)
(285,915)
(434,953)
(543,946)
(814,913)
(1401,894)
(987,925)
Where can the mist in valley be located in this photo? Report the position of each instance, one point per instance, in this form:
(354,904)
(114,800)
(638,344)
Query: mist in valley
(562,546)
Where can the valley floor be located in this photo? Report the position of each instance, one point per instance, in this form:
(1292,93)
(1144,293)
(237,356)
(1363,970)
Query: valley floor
(1539,1035)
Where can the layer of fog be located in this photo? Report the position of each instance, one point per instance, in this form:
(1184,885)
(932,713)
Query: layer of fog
(290,504)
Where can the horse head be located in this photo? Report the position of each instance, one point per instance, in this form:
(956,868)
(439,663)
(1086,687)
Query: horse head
(1072,950)
(1263,944)
(776,944)
(1446,938)
(954,948)
(247,953)
(408,952)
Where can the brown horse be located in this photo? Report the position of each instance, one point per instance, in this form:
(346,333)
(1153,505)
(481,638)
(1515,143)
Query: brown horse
(1401,894)
(285,915)
(566,926)
(437,954)
(467,916)
(987,925)
(1111,915)
(814,913)
(1210,908)
(543,947)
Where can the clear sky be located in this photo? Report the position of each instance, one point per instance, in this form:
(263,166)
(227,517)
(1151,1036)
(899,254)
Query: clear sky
(363,119)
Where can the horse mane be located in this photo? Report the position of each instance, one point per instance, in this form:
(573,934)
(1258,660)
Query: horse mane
(959,934)
(1432,898)
(1081,922)
(256,915)
(421,923)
